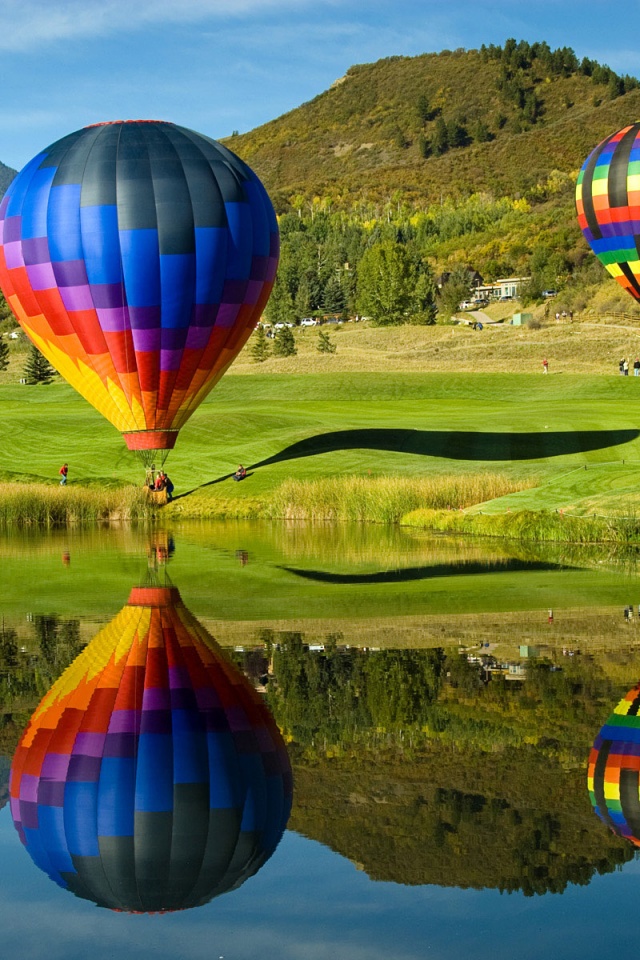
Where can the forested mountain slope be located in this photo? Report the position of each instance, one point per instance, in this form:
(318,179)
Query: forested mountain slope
(447,124)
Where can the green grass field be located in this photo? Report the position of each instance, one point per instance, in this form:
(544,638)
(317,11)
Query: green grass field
(311,426)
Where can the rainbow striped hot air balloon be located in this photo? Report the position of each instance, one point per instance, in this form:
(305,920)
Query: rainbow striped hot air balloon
(608,205)
(151,777)
(138,256)
(614,769)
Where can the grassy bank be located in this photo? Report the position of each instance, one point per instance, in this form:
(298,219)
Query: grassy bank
(532,525)
(39,504)
(353,498)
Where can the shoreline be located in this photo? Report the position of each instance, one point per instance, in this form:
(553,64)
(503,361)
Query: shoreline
(45,506)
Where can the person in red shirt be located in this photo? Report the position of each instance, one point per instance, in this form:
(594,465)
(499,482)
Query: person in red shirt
(64,470)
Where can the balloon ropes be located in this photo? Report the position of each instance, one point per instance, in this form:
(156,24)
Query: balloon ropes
(614,769)
(138,257)
(152,777)
(608,205)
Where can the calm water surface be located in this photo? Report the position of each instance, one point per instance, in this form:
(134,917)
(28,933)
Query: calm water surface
(440,783)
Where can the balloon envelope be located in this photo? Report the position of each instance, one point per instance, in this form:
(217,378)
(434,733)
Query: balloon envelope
(151,777)
(608,205)
(138,257)
(614,769)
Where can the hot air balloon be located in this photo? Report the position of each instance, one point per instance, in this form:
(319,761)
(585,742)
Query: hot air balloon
(151,777)
(138,256)
(608,205)
(614,769)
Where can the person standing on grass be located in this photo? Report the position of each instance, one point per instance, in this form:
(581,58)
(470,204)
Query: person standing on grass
(545,366)
(636,367)
(625,367)
(64,470)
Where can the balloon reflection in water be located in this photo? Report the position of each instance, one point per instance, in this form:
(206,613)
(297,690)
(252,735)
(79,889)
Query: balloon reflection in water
(151,777)
(614,769)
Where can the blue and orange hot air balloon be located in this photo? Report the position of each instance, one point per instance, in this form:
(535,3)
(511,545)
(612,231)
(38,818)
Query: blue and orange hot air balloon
(608,205)
(151,777)
(138,257)
(614,769)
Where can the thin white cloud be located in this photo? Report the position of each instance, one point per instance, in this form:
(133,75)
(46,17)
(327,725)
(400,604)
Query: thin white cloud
(31,23)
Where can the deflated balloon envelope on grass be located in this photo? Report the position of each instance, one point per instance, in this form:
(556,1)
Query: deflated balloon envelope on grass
(138,257)
(608,205)
(151,777)
(614,769)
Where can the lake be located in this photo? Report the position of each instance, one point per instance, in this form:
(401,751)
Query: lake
(240,740)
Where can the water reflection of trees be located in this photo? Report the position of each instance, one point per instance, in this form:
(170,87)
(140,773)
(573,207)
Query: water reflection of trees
(423,767)
(341,692)
(29,665)
(418,765)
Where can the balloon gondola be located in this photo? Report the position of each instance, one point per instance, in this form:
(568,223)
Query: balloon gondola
(151,777)
(608,205)
(138,257)
(614,769)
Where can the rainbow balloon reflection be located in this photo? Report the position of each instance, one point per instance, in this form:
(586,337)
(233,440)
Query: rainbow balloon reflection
(614,769)
(151,777)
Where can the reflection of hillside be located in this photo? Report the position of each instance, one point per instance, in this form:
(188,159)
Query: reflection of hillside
(511,823)
(428,768)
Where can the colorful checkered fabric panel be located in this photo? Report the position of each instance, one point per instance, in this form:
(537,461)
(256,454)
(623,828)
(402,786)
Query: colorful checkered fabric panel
(608,205)
(138,257)
(151,777)
(614,769)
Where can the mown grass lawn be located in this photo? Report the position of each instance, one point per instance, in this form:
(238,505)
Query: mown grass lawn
(368,424)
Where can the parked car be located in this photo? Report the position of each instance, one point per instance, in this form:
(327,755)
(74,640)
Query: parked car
(281,325)
(549,293)
(466,305)
(308,322)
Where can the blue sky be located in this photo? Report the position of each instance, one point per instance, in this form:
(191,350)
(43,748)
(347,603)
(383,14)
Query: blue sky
(224,65)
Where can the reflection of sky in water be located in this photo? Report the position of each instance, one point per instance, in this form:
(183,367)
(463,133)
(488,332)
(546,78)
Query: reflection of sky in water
(308,902)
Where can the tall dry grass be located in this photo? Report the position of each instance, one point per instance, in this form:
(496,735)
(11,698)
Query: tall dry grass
(39,504)
(386,499)
(533,525)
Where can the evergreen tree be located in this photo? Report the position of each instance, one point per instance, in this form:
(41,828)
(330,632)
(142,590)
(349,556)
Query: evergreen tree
(4,355)
(423,108)
(280,308)
(284,344)
(325,344)
(424,146)
(333,299)
(37,369)
(457,135)
(259,347)
(393,286)
(457,288)
(481,132)
(6,314)
(440,138)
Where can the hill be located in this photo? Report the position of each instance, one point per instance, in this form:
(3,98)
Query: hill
(6,176)
(466,159)
(499,119)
